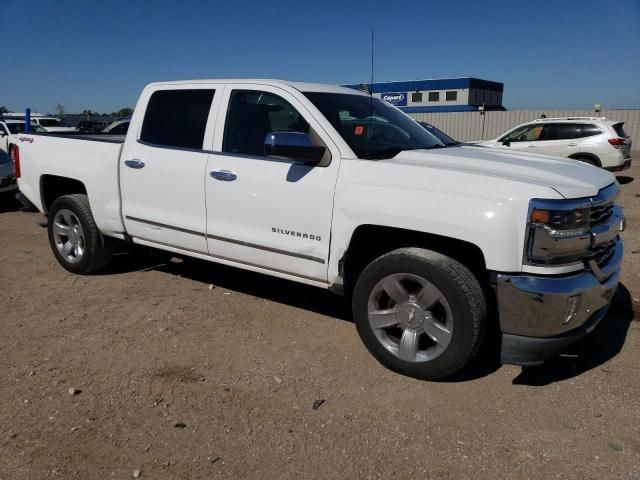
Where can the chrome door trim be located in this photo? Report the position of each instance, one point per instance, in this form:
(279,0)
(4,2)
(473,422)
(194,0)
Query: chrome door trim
(163,225)
(267,249)
(227,259)
(228,240)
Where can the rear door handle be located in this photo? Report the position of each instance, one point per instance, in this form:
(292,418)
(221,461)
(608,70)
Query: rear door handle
(572,144)
(223,175)
(531,146)
(134,163)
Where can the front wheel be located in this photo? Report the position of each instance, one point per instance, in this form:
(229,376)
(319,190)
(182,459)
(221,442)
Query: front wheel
(74,237)
(420,313)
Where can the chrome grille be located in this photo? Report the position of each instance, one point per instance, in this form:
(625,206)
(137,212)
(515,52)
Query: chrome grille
(602,253)
(601,213)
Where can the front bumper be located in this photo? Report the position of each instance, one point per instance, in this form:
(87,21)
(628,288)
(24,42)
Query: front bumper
(540,315)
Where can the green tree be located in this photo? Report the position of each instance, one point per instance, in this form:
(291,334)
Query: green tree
(60,110)
(4,109)
(124,112)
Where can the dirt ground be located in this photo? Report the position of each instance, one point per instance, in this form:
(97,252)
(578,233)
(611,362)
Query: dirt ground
(187,370)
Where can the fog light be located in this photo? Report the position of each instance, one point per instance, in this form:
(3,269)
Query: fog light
(573,305)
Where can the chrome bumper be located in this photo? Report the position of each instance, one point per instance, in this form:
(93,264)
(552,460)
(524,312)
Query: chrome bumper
(538,306)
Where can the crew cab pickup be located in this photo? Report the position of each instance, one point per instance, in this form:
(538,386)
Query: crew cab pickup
(327,186)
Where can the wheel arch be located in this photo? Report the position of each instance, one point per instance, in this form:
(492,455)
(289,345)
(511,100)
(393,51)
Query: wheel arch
(370,241)
(55,186)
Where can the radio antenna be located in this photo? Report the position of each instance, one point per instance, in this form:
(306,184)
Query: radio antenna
(371,84)
(370,132)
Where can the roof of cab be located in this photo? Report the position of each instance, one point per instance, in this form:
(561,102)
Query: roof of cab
(301,86)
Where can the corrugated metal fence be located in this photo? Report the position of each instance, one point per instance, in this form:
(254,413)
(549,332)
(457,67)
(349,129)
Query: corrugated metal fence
(467,126)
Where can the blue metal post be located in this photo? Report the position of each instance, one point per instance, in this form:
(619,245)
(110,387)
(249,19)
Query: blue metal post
(27,120)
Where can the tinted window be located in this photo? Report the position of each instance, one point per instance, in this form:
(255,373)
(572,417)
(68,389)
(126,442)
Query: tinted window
(451,96)
(559,131)
(123,128)
(373,128)
(51,122)
(439,134)
(589,130)
(177,118)
(416,97)
(252,115)
(526,133)
(434,96)
(619,130)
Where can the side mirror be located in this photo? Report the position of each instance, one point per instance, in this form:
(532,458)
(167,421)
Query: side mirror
(294,146)
(506,142)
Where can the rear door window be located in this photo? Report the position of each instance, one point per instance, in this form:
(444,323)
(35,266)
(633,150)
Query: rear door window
(559,131)
(177,118)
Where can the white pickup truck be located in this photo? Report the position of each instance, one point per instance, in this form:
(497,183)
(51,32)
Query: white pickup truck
(327,186)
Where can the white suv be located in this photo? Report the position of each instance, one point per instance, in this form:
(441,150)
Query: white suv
(593,140)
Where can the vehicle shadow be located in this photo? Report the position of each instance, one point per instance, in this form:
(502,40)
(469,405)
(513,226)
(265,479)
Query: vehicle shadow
(604,343)
(8,203)
(590,352)
(250,283)
(623,179)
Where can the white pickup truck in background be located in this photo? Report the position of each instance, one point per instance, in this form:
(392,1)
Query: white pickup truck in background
(327,186)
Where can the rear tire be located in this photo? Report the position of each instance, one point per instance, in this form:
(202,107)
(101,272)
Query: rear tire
(75,239)
(420,313)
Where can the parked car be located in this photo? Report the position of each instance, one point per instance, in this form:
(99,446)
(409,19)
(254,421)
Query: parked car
(7,175)
(119,127)
(593,140)
(91,126)
(51,124)
(439,134)
(283,178)
(9,128)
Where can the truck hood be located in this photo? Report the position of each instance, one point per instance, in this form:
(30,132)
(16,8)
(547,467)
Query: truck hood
(570,178)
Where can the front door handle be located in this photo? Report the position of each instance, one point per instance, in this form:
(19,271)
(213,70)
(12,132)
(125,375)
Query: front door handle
(223,175)
(572,144)
(134,163)
(531,146)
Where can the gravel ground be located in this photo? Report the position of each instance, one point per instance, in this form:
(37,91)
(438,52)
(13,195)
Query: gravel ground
(185,369)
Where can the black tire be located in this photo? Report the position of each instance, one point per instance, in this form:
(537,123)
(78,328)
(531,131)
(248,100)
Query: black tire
(459,287)
(98,249)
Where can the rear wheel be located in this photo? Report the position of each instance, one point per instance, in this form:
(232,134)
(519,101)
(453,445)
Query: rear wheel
(420,313)
(76,242)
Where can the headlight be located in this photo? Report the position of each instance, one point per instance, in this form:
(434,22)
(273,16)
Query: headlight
(557,235)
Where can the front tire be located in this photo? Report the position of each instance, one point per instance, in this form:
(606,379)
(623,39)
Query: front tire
(420,313)
(74,237)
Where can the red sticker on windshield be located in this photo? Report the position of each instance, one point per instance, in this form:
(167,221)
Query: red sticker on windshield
(359,130)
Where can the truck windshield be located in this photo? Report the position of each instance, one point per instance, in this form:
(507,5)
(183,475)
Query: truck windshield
(371,127)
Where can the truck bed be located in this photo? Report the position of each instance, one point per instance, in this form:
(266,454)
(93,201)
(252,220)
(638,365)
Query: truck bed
(91,159)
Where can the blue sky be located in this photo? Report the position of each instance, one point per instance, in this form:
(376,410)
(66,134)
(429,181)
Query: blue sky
(99,54)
